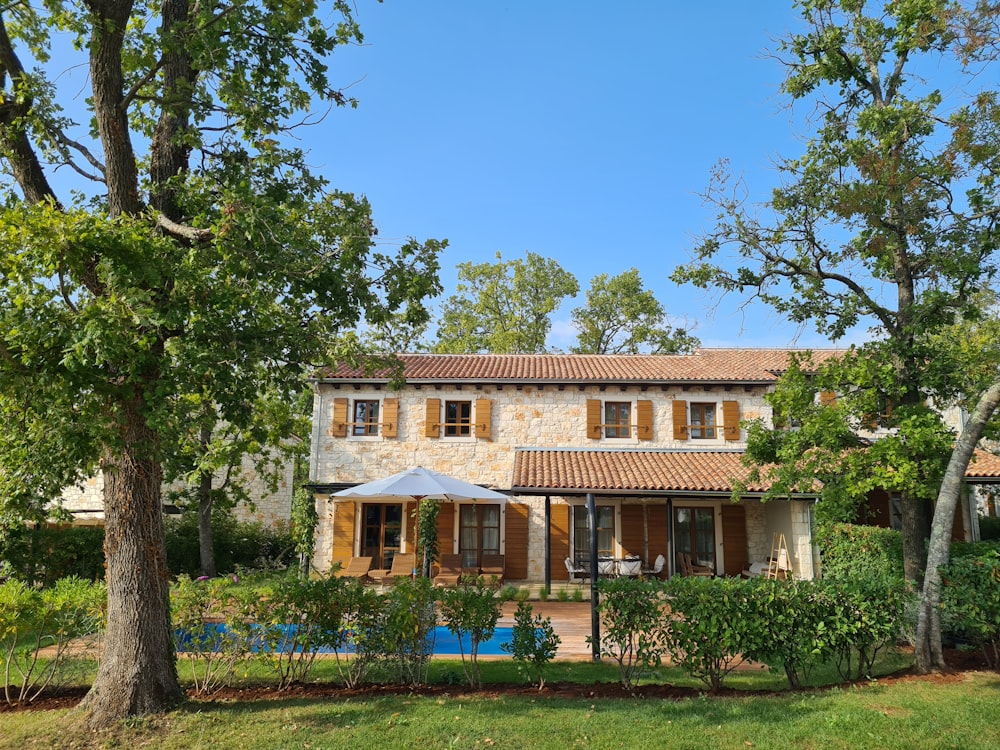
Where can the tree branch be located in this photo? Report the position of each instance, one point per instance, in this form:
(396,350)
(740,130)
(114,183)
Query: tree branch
(184,232)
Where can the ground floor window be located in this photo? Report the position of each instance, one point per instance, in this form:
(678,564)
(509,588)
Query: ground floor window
(382,533)
(479,533)
(694,533)
(605,533)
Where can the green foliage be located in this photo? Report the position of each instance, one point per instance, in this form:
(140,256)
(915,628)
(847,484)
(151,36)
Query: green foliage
(293,621)
(621,317)
(784,623)
(304,519)
(428,510)
(239,545)
(365,613)
(631,625)
(503,307)
(44,554)
(471,609)
(211,652)
(852,552)
(865,617)
(410,619)
(51,618)
(708,630)
(970,598)
(533,642)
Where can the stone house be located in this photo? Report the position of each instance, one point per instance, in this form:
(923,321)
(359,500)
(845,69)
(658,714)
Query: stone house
(655,439)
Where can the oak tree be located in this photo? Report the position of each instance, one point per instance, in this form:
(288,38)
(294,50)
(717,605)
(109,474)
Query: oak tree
(622,317)
(888,218)
(198,254)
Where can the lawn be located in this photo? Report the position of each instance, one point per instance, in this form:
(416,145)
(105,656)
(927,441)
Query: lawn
(958,711)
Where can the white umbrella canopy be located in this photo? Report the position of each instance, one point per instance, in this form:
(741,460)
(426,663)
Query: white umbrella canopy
(419,483)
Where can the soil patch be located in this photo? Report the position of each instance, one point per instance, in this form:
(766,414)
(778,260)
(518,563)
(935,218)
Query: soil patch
(959,661)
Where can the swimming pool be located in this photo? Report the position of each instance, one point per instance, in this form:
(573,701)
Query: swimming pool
(445,643)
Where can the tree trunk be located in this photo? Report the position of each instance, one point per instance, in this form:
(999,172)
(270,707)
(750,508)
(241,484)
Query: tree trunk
(206,544)
(916,524)
(929,655)
(138,673)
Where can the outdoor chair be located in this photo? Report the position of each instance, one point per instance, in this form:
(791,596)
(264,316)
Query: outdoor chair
(358,568)
(492,567)
(451,571)
(577,572)
(688,568)
(403,564)
(658,565)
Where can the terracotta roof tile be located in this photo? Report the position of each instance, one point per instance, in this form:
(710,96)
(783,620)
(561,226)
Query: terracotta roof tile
(629,471)
(703,365)
(984,465)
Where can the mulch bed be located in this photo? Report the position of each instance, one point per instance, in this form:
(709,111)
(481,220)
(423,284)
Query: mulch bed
(959,662)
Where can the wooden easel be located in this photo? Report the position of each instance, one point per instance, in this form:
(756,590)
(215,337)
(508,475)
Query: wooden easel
(779,564)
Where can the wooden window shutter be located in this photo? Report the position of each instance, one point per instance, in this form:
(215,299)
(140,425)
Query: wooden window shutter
(339,426)
(680,415)
(484,424)
(390,417)
(644,420)
(432,428)
(828,398)
(594,418)
(731,420)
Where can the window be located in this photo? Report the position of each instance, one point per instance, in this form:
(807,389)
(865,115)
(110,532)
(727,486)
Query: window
(382,531)
(479,533)
(617,423)
(702,422)
(694,533)
(605,532)
(365,417)
(457,418)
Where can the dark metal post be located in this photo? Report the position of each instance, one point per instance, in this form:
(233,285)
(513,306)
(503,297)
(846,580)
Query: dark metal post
(548,543)
(595,618)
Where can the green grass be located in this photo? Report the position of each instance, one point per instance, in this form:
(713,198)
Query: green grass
(911,714)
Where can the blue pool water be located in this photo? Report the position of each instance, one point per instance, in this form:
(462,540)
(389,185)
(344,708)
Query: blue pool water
(445,643)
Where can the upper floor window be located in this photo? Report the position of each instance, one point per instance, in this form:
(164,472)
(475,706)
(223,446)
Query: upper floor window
(365,417)
(617,419)
(702,422)
(457,418)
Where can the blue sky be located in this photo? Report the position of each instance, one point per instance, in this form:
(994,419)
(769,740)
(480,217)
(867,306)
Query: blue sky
(582,131)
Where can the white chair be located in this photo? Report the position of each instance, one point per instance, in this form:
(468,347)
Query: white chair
(577,572)
(657,568)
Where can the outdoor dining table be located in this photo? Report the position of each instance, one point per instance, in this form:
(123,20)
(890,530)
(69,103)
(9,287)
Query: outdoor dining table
(616,566)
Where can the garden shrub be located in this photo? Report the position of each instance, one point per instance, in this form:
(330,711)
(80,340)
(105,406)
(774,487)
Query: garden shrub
(706,632)
(472,609)
(533,643)
(864,617)
(363,632)
(210,631)
(784,623)
(850,551)
(295,619)
(409,620)
(970,599)
(238,545)
(44,554)
(34,619)
(631,625)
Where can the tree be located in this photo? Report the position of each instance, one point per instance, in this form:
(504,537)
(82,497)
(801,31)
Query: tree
(889,216)
(504,307)
(621,317)
(208,261)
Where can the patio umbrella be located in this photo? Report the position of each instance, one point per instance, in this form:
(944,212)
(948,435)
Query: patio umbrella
(418,483)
